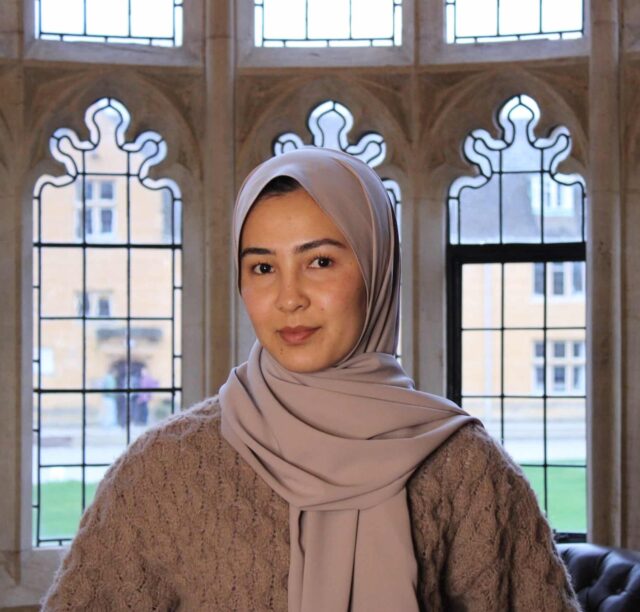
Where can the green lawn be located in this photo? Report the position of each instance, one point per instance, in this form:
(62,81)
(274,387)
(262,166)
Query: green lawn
(566,486)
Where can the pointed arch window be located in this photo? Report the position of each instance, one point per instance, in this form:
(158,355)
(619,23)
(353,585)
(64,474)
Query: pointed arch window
(330,124)
(144,22)
(516,291)
(482,21)
(107,287)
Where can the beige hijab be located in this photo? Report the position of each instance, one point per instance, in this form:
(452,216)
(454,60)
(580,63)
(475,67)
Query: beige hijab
(340,444)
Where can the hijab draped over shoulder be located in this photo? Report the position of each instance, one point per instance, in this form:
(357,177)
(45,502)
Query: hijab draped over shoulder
(340,444)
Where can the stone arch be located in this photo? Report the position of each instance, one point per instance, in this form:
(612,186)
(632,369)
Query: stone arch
(473,103)
(67,98)
(286,107)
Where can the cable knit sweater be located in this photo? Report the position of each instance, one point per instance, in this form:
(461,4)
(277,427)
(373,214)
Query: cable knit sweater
(181,522)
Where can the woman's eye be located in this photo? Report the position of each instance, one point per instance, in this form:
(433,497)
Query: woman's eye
(261,268)
(321,262)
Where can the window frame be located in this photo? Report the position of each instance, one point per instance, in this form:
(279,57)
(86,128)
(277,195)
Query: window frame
(457,255)
(250,56)
(435,50)
(191,53)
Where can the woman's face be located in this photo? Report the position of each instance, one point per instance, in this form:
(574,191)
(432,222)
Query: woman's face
(300,282)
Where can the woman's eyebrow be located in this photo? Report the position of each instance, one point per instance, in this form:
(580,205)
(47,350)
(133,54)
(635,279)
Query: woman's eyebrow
(314,244)
(301,248)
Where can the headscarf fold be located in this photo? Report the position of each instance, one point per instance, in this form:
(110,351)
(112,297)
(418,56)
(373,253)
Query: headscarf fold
(340,444)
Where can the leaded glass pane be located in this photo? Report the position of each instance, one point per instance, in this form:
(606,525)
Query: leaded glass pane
(327,23)
(477,21)
(106,296)
(144,22)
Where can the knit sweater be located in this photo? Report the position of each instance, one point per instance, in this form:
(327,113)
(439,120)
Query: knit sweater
(181,522)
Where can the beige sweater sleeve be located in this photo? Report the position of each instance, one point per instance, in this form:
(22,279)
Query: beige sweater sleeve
(107,565)
(501,554)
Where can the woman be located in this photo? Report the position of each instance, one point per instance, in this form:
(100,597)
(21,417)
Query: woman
(319,479)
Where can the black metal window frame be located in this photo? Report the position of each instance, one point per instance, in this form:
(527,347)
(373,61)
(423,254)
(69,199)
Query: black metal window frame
(260,40)
(174,245)
(457,257)
(451,8)
(160,41)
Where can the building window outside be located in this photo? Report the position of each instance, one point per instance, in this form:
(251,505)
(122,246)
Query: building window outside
(117,347)
(327,23)
(566,279)
(565,364)
(96,208)
(517,330)
(144,22)
(487,21)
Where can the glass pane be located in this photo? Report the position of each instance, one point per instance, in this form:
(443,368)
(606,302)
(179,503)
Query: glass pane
(480,213)
(151,347)
(476,18)
(106,420)
(107,272)
(107,19)
(106,345)
(519,224)
(519,16)
(522,307)
(535,476)
(148,223)
(481,363)
(328,19)
(61,428)
(566,431)
(61,501)
(153,19)
(284,19)
(567,509)
(59,210)
(566,309)
(524,429)
(62,16)
(519,359)
(151,283)
(64,341)
(372,18)
(561,16)
(481,295)
(61,280)
(486,409)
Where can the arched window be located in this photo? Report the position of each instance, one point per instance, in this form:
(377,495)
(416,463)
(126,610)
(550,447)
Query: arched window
(517,327)
(330,123)
(471,21)
(327,23)
(107,287)
(145,22)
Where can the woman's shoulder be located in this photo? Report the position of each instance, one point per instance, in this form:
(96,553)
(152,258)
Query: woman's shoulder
(469,457)
(180,436)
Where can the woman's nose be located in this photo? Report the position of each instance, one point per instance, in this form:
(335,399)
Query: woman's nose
(291,296)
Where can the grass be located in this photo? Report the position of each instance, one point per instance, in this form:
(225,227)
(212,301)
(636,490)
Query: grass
(62,507)
(61,501)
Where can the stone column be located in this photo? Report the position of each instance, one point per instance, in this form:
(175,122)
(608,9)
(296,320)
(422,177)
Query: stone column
(219,189)
(604,306)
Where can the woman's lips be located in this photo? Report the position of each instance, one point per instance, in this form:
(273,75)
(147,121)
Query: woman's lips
(296,335)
